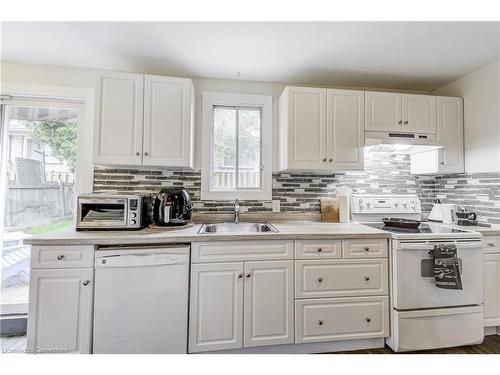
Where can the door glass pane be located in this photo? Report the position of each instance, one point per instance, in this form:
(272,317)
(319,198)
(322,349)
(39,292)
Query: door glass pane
(39,176)
(224,149)
(249,148)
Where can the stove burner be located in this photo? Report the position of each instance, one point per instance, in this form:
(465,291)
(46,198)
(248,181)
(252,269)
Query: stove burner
(423,229)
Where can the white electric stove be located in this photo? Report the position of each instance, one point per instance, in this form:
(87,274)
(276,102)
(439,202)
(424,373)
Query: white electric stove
(422,315)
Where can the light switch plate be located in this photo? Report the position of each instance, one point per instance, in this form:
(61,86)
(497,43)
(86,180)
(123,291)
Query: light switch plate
(276,205)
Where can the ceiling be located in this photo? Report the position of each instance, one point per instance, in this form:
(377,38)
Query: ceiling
(411,55)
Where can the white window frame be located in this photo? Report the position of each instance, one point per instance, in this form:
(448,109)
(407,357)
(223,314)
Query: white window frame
(265,102)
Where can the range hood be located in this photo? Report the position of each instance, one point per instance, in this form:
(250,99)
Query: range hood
(401,143)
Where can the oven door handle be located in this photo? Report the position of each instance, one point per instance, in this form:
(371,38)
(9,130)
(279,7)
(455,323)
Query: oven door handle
(429,247)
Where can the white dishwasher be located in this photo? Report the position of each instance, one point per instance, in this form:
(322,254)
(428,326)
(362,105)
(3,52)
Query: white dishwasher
(141,300)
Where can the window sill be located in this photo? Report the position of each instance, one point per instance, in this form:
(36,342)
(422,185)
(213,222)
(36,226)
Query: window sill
(231,195)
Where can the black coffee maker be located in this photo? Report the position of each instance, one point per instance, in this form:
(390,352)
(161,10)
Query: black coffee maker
(172,206)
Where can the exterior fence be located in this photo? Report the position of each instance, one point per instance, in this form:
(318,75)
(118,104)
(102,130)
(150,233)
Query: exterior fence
(223,179)
(27,206)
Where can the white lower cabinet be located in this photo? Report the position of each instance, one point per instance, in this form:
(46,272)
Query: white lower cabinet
(268,303)
(60,310)
(331,319)
(240,304)
(491,290)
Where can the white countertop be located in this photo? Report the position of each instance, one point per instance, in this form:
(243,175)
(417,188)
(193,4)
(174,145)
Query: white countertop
(287,231)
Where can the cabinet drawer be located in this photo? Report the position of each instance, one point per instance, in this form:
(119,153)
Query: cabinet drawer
(318,249)
(72,256)
(227,251)
(491,244)
(330,319)
(364,249)
(322,278)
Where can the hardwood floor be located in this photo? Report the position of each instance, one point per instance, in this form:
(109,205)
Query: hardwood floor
(490,345)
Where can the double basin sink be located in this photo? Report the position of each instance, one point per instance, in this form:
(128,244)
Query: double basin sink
(237,228)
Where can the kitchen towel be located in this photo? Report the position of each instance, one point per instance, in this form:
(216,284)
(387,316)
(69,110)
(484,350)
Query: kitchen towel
(446,270)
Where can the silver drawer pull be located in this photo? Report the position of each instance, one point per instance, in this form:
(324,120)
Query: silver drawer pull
(320,249)
(320,280)
(86,282)
(367,248)
(320,322)
(491,244)
(60,257)
(240,275)
(367,278)
(248,275)
(368,320)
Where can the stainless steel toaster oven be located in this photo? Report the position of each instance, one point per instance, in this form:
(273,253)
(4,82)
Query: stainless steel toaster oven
(113,211)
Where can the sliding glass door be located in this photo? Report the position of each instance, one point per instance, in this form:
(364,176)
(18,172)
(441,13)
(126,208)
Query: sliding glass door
(38,160)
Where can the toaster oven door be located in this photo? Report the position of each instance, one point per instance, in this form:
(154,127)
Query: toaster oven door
(102,213)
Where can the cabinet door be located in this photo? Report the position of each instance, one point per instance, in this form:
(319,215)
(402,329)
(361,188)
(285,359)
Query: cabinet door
(491,290)
(346,129)
(382,111)
(306,128)
(450,133)
(419,114)
(168,121)
(60,310)
(119,118)
(269,300)
(216,307)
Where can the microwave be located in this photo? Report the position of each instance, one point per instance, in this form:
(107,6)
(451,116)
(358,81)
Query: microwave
(103,211)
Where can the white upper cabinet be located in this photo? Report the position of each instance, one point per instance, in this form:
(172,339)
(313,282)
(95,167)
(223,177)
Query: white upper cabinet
(383,111)
(450,133)
(303,128)
(119,118)
(401,113)
(143,120)
(321,129)
(345,129)
(168,121)
(419,113)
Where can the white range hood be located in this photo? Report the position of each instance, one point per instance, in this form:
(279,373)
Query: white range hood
(400,143)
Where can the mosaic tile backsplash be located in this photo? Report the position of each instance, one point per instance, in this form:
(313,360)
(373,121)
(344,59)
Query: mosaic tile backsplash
(298,192)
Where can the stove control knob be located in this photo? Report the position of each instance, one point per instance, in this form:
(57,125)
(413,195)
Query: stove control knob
(411,201)
(413,206)
(360,201)
(396,204)
(368,204)
(361,206)
(132,222)
(404,204)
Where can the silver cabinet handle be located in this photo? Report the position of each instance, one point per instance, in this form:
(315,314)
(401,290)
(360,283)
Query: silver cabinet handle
(491,244)
(146,154)
(320,280)
(137,153)
(406,122)
(86,282)
(248,275)
(324,159)
(368,320)
(240,275)
(400,122)
(320,249)
(330,160)
(367,248)
(442,163)
(367,278)
(320,322)
(60,257)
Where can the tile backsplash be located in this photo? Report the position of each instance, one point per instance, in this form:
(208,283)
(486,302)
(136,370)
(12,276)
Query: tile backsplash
(298,192)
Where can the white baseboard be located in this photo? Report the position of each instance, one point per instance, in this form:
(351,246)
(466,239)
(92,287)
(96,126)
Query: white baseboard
(309,348)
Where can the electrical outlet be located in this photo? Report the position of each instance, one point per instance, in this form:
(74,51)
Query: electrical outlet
(276,205)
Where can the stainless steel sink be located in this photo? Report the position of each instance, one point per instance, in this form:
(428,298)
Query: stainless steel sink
(237,228)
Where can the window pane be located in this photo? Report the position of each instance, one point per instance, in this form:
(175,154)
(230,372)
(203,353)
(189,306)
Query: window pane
(249,144)
(40,171)
(224,152)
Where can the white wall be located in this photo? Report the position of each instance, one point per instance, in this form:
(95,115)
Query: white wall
(480,90)
(29,74)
